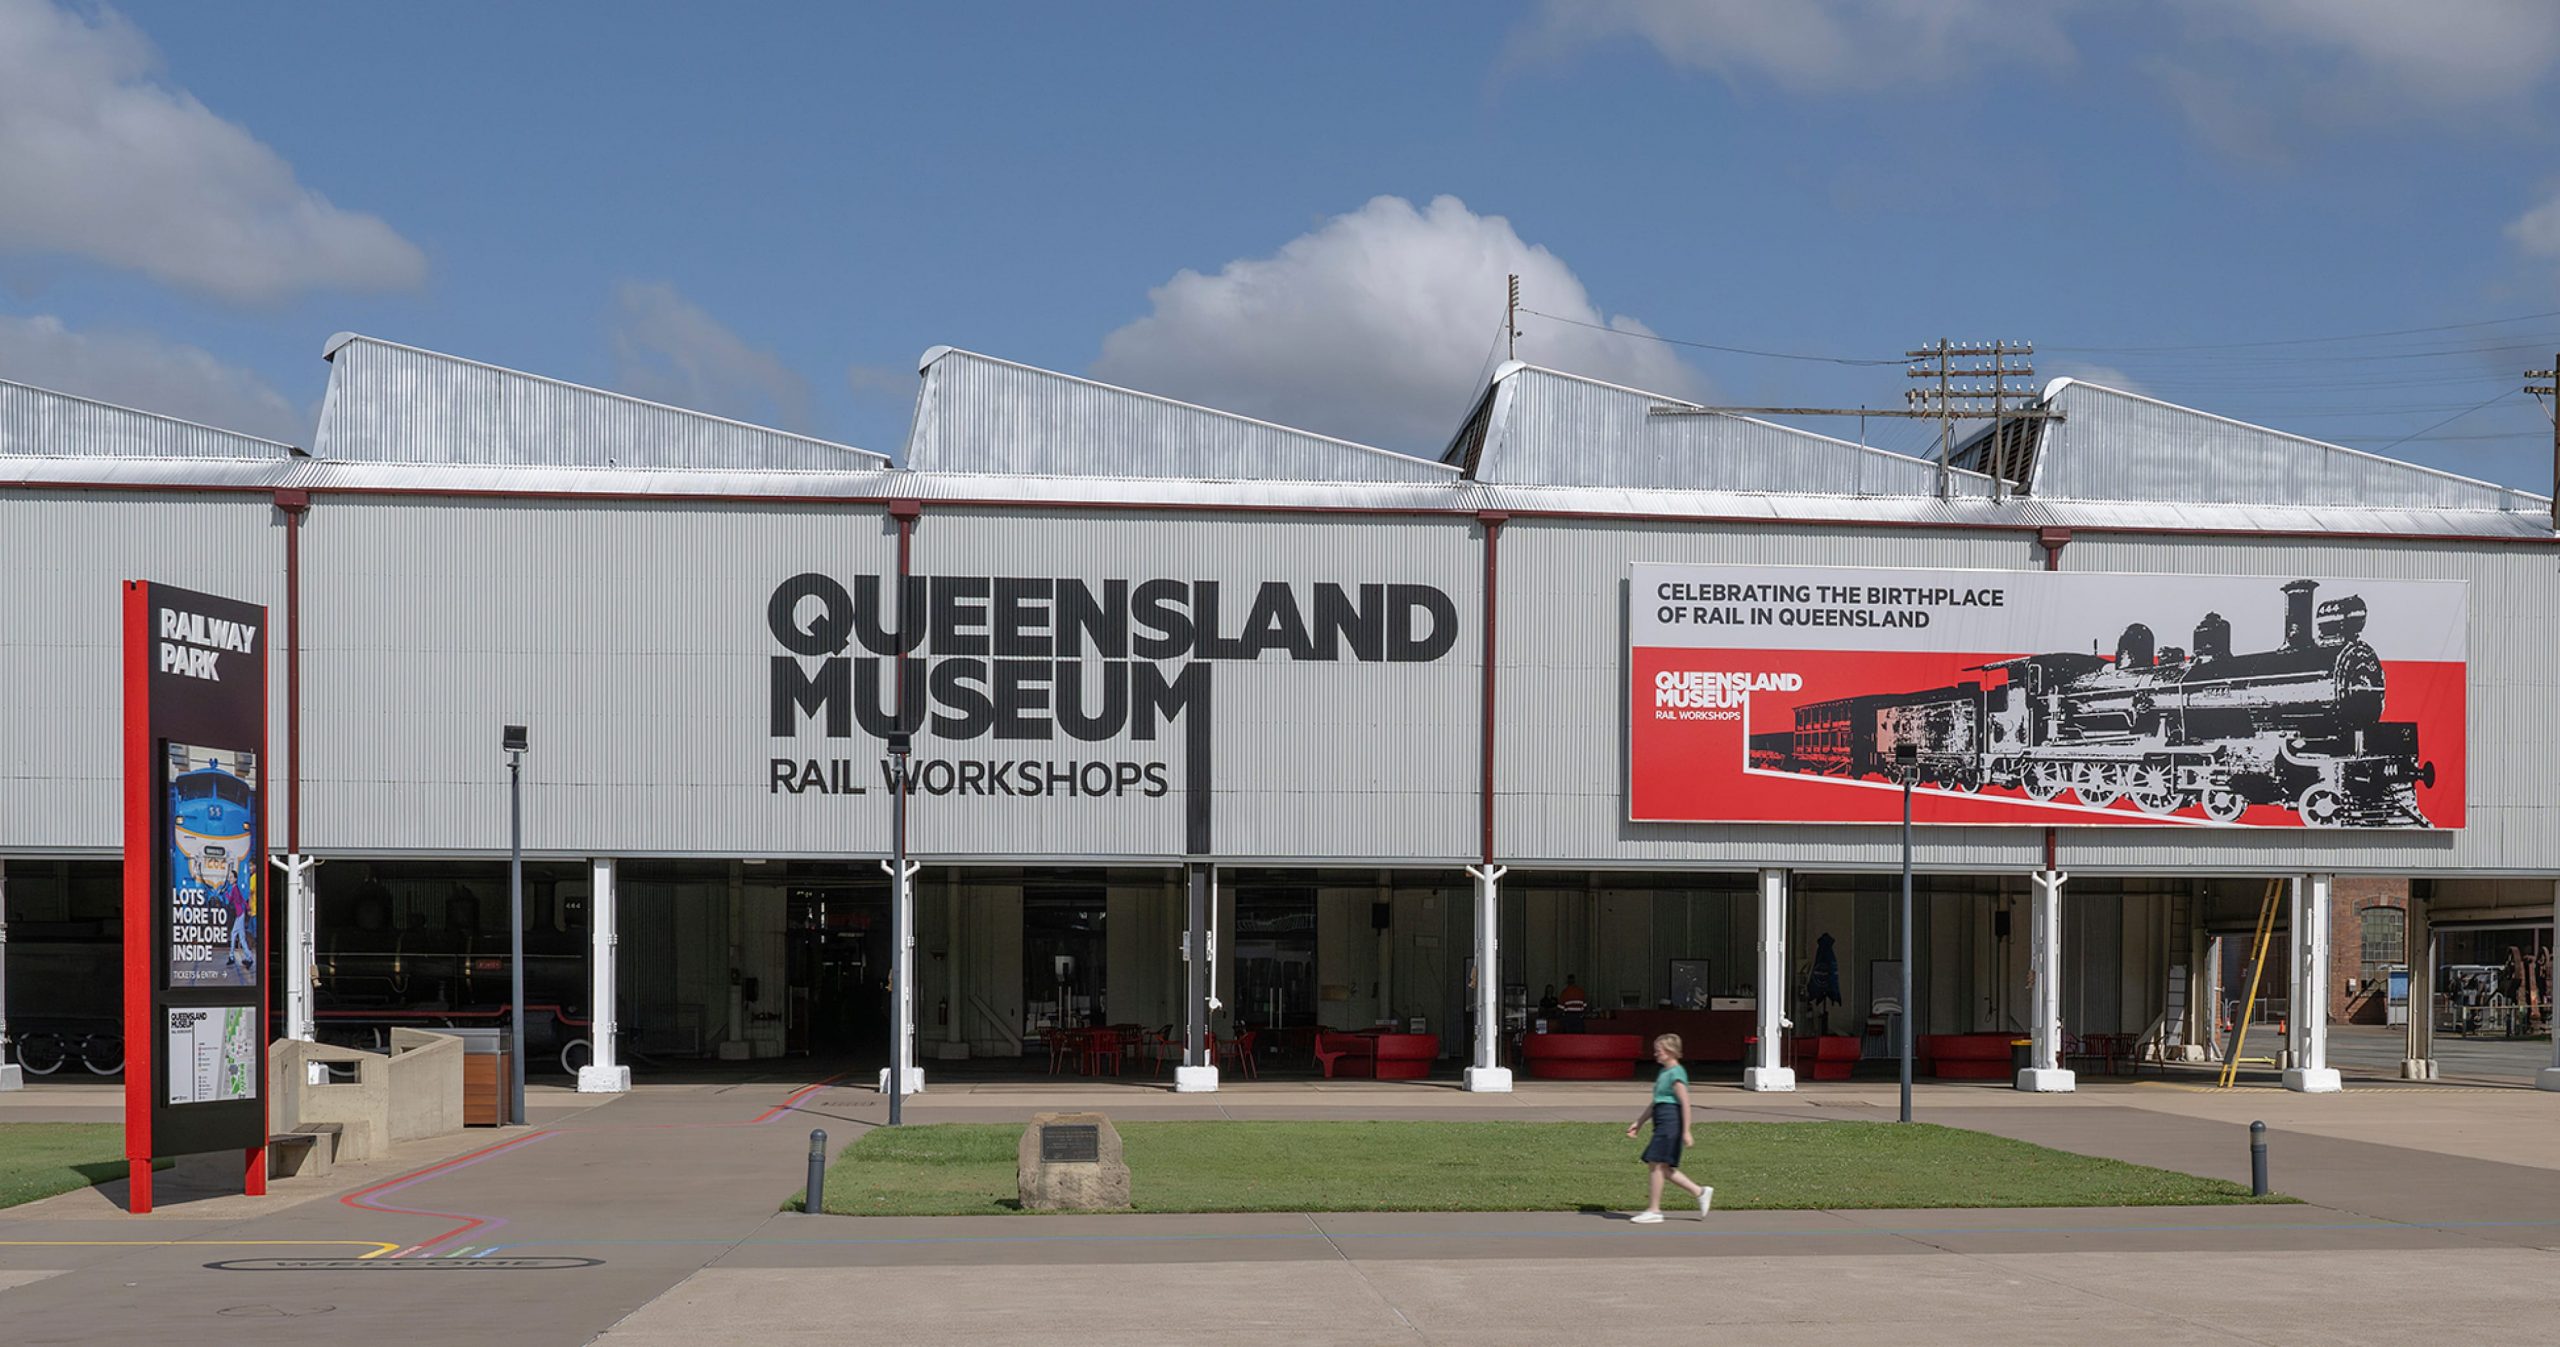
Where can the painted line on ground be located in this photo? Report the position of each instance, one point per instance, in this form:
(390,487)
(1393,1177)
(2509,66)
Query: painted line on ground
(379,1247)
(1846,1232)
(362,1198)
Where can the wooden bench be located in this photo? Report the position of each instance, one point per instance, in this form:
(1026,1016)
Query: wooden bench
(1583,1056)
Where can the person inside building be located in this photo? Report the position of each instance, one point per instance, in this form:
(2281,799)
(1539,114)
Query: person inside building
(1573,1003)
(1548,1008)
(1822,989)
(1670,1114)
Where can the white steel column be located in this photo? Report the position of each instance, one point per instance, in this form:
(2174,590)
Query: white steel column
(1769,1070)
(902,894)
(1198,1073)
(302,959)
(2308,1001)
(11,1078)
(2549,1077)
(2044,1071)
(1487,1075)
(604,1072)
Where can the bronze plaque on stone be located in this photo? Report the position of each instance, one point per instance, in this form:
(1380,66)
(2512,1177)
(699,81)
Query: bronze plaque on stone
(1070,1144)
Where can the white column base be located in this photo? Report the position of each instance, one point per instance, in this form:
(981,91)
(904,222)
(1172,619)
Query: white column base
(1494,1080)
(2420,1068)
(2549,1079)
(11,1078)
(2310,1080)
(1195,1080)
(604,1079)
(2048,1080)
(915,1080)
(1769,1079)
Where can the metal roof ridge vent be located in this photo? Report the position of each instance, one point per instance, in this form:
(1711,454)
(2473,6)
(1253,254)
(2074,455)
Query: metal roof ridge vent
(1737,416)
(344,339)
(945,352)
(2294,436)
(41,391)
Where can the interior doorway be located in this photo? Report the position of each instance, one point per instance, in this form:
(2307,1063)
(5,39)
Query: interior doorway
(836,967)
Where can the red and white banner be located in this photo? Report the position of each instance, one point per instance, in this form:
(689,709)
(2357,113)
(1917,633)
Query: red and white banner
(1805,694)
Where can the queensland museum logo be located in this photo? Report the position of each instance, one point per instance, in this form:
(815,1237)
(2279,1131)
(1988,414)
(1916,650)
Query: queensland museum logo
(1018,661)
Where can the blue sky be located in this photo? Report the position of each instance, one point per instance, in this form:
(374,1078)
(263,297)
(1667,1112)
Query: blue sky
(1300,211)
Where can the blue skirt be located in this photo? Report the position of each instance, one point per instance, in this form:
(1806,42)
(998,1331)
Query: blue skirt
(1664,1149)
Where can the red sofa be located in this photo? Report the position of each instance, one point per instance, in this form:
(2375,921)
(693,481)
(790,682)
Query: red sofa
(1825,1056)
(1583,1056)
(1377,1054)
(1965,1056)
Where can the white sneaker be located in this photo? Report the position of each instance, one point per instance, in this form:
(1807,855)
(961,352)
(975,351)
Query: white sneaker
(1706,1197)
(1647,1218)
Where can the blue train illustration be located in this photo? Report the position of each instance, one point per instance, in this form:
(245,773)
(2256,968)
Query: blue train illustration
(213,808)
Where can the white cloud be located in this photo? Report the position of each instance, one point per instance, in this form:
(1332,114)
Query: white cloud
(667,349)
(2462,51)
(1375,327)
(2537,231)
(103,159)
(137,370)
(1810,45)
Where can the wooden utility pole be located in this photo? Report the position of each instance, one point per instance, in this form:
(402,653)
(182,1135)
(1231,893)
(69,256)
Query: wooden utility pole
(1951,401)
(1511,322)
(2550,388)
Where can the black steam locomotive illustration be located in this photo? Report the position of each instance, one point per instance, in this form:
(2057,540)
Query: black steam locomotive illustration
(2299,726)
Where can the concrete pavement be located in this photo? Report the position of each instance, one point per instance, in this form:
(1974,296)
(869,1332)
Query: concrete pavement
(2428,1209)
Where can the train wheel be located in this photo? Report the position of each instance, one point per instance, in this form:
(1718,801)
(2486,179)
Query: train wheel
(2153,789)
(103,1054)
(2225,805)
(2043,780)
(40,1054)
(2100,784)
(2320,806)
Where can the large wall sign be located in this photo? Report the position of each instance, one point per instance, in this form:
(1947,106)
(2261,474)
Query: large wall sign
(1783,694)
(195,884)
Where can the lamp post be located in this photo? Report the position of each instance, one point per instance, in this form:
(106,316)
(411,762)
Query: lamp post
(1906,761)
(900,745)
(514,741)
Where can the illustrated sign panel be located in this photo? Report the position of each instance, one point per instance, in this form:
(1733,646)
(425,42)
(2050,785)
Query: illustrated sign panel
(1789,694)
(213,1054)
(214,884)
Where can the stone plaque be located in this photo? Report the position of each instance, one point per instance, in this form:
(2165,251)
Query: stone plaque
(1071,1162)
(1070,1144)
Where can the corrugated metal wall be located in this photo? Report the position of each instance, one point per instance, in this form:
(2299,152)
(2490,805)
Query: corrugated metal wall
(395,404)
(41,421)
(1561,767)
(979,414)
(2113,445)
(1338,761)
(61,670)
(630,639)
(1561,429)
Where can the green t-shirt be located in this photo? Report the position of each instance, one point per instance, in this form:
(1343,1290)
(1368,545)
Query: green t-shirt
(1674,1074)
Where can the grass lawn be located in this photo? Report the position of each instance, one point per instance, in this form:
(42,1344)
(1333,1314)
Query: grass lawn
(41,1159)
(967,1169)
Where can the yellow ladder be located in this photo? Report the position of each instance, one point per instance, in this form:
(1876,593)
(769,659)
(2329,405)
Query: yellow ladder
(2259,941)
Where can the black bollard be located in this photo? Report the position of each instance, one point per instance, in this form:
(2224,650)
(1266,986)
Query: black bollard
(2257,1159)
(817,1200)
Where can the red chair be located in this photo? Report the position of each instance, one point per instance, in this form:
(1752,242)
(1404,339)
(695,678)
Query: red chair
(1239,1050)
(1097,1049)
(1060,1048)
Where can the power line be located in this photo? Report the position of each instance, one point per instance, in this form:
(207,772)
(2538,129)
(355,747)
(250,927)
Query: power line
(2447,421)
(2312,341)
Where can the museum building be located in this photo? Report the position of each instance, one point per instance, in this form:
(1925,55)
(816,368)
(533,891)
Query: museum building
(1242,737)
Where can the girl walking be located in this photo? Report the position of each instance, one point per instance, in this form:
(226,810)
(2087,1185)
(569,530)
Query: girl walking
(1669,1112)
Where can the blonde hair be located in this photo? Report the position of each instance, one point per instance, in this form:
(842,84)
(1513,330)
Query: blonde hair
(1671,1041)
